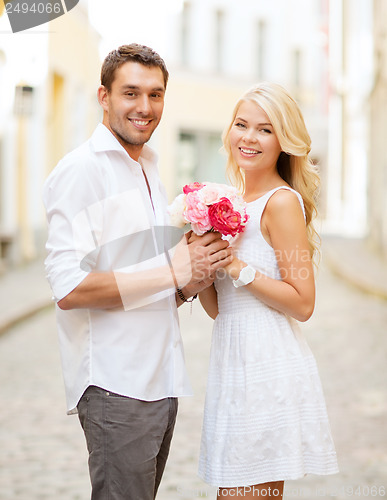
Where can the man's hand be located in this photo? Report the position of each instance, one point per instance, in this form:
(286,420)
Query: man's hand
(208,254)
(197,258)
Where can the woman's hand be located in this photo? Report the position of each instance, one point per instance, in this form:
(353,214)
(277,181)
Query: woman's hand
(234,268)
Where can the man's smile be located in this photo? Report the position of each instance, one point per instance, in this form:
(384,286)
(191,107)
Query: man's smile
(141,124)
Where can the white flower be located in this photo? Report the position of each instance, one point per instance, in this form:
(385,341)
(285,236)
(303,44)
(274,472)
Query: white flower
(176,211)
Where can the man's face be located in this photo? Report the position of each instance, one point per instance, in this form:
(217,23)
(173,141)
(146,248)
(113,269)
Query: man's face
(134,106)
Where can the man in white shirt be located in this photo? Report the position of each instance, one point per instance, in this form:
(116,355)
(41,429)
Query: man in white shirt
(117,286)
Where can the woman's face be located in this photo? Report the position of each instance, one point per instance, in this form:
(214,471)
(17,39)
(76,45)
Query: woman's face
(253,142)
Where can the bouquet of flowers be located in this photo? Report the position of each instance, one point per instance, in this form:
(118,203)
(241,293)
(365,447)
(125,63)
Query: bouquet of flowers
(209,207)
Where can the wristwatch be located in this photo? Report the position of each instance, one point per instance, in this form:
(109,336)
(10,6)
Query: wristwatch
(245,277)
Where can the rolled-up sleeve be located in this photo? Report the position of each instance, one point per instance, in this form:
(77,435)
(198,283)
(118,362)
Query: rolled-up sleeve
(67,194)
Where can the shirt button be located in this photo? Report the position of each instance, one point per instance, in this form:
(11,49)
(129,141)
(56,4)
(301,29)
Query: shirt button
(107,393)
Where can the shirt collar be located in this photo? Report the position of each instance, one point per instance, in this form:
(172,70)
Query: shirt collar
(103,140)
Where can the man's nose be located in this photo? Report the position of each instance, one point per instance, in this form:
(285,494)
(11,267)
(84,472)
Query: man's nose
(143,105)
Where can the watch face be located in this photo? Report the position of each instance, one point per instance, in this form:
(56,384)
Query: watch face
(247,275)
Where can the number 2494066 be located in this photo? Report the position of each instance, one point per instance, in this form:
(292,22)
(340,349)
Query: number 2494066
(34,8)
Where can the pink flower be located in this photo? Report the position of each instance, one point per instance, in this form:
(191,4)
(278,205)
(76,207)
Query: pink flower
(211,193)
(225,219)
(209,206)
(196,212)
(194,186)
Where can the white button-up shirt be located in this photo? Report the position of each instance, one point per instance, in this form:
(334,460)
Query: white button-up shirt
(100,217)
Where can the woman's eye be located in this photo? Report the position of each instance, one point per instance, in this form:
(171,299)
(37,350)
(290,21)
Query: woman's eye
(241,125)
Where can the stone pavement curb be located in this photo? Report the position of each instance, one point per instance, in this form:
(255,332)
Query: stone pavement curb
(26,312)
(24,291)
(353,260)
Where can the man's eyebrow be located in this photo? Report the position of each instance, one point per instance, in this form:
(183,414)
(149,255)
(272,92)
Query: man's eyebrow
(136,87)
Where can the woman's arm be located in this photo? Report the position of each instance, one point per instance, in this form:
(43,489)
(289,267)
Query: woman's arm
(207,294)
(283,222)
(209,300)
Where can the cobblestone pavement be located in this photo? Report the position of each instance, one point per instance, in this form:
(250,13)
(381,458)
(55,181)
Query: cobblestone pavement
(43,454)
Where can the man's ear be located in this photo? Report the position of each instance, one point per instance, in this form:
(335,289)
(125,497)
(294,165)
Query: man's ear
(102,94)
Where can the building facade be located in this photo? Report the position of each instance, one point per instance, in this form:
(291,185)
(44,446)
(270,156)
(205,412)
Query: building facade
(357,164)
(330,54)
(48,81)
(350,81)
(215,51)
(377,174)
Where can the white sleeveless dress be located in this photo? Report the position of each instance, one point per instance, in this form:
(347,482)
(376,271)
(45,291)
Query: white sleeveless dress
(265,417)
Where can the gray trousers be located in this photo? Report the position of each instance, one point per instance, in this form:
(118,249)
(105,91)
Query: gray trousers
(128,442)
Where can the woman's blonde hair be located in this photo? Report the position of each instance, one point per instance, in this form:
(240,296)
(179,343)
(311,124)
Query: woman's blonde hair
(294,164)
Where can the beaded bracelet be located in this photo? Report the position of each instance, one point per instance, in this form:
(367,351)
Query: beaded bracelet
(182,297)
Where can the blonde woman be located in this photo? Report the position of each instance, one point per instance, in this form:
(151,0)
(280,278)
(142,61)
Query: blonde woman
(265,418)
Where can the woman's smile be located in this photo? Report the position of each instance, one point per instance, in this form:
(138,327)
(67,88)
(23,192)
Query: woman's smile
(249,152)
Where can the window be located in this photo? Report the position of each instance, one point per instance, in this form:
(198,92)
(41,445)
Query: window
(199,158)
(297,60)
(219,40)
(185,24)
(260,49)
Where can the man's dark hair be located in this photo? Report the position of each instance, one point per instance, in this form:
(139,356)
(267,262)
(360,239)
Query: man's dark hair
(130,53)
